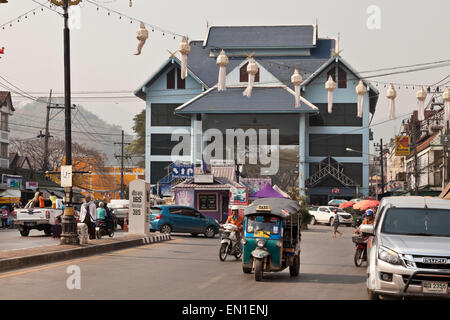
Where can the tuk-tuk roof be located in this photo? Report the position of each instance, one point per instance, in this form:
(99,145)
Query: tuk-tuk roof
(282,208)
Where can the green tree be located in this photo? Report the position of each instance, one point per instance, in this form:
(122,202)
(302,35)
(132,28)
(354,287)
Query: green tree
(137,147)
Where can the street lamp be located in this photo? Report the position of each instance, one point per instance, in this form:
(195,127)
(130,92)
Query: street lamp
(69,233)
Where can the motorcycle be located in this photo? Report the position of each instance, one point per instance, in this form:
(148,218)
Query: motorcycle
(103,228)
(361,248)
(229,243)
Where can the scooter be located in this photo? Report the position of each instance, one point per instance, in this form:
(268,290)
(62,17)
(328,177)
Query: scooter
(229,243)
(102,229)
(361,248)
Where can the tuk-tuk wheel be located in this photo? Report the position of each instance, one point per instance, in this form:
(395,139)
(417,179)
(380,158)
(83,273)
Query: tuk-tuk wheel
(294,270)
(246,269)
(258,269)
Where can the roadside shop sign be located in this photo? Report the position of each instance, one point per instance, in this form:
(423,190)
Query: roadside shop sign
(13,182)
(402,145)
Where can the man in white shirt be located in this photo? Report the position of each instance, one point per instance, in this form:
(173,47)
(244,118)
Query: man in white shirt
(88,214)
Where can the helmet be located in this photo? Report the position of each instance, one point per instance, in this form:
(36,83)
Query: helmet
(335,210)
(369,212)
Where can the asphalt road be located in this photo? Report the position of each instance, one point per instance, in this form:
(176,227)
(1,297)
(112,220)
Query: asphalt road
(10,239)
(189,268)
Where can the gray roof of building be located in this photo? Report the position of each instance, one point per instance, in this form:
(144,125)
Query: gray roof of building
(261,37)
(264,99)
(205,67)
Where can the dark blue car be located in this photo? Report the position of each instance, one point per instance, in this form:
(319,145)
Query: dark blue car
(182,219)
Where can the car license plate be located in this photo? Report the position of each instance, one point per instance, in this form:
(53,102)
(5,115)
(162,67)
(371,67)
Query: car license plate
(30,223)
(434,287)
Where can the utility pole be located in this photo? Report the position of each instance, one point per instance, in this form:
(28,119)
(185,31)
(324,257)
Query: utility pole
(416,169)
(69,233)
(122,157)
(47,135)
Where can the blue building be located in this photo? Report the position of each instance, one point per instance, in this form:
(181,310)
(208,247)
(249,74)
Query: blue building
(323,164)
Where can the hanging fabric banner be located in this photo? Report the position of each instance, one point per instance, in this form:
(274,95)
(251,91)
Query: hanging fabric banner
(446,99)
(361,90)
(297,80)
(142,36)
(252,70)
(184,49)
(421,96)
(222,61)
(330,85)
(391,95)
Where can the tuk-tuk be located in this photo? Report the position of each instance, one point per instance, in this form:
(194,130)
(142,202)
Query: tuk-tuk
(272,234)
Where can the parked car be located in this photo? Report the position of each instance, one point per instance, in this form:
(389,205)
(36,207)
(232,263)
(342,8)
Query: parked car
(325,214)
(336,202)
(182,219)
(410,251)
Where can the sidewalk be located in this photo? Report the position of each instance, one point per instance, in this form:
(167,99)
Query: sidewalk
(15,259)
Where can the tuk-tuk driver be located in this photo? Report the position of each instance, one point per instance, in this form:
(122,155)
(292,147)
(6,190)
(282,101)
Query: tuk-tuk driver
(236,219)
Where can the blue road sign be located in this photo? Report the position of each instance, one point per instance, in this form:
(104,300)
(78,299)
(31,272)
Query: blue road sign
(182,171)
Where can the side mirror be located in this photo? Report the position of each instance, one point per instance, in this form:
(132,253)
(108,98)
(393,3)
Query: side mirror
(367,229)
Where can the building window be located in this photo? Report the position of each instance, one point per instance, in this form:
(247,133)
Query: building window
(4,150)
(344,114)
(163,115)
(4,122)
(171,79)
(207,202)
(243,75)
(158,170)
(162,145)
(342,81)
(334,145)
(181,83)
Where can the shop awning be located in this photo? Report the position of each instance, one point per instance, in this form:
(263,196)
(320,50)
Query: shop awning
(10,196)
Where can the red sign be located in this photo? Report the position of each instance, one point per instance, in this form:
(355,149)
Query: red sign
(335,190)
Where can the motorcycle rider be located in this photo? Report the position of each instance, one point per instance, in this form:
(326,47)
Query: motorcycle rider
(236,219)
(369,217)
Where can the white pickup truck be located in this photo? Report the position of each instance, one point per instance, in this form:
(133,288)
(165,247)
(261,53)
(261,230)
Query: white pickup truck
(35,218)
(325,214)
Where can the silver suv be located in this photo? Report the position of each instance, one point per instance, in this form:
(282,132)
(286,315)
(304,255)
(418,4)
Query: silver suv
(409,248)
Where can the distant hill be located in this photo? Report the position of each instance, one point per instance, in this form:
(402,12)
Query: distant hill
(88,129)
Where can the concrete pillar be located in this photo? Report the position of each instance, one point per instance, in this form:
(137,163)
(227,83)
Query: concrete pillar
(139,207)
(148,112)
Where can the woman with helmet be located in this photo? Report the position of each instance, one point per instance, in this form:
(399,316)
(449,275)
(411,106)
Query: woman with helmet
(369,217)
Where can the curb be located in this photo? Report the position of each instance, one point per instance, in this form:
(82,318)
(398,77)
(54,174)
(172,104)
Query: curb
(45,258)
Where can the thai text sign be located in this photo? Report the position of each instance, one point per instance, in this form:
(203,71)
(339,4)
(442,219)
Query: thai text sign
(402,147)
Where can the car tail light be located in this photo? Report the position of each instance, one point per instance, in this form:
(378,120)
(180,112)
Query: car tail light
(47,214)
(159,216)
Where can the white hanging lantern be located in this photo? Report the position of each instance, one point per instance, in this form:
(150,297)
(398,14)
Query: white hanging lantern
(421,95)
(252,70)
(361,90)
(142,36)
(391,94)
(330,85)
(222,61)
(184,49)
(297,80)
(446,99)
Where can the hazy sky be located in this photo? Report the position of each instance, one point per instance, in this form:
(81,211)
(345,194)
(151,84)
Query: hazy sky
(102,50)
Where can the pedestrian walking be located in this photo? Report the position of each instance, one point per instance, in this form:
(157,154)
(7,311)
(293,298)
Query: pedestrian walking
(88,214)
(4,217)
(336,224)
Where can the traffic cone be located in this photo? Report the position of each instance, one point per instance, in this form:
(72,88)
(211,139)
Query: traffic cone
(125,225)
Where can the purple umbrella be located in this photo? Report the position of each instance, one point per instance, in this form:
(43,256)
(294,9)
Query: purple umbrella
(267,192)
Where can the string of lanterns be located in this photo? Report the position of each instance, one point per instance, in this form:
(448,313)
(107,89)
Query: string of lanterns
(330,86)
